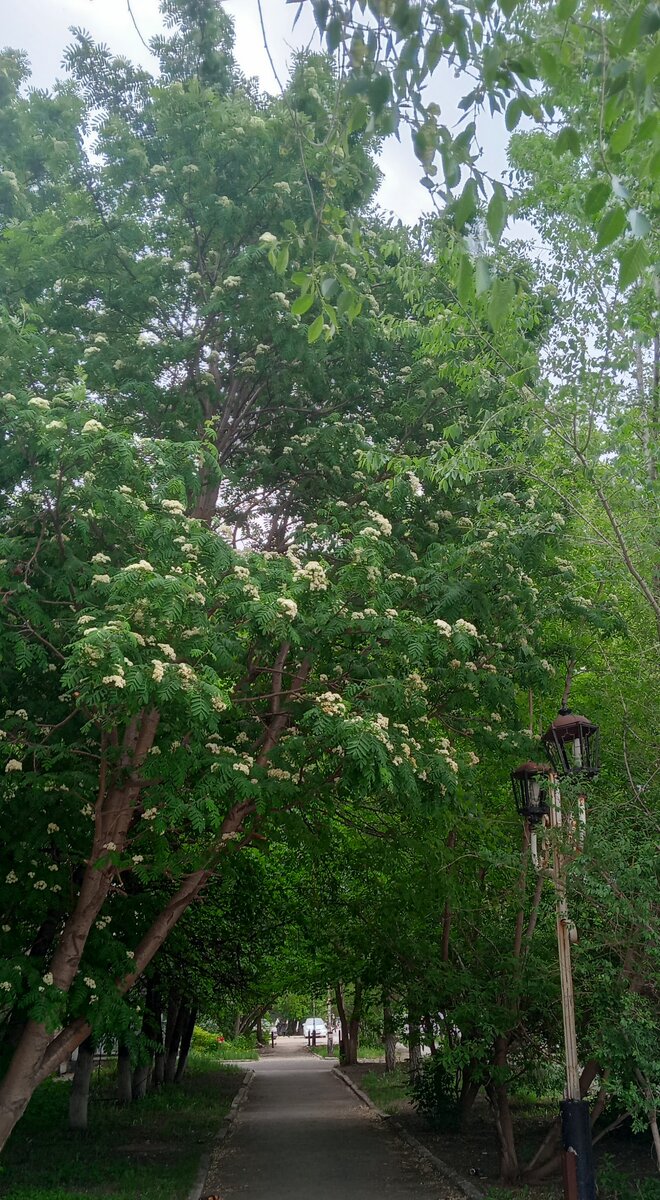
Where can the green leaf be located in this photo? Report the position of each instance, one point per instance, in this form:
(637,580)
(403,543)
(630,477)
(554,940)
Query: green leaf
(497,213)
(380,92)
(612,224)
(282,260)
(508,6)
(465,278)
(465,207)
(568,138)
(513,114)
(652,64)
(566,8)
(482,276)
(328,285)
(302,280)
(302,304)
(632,262)
(315,330)
(597,197)
(550,65)
(622,136)
(502,294)
(653,166)
(631,31)
(639,223)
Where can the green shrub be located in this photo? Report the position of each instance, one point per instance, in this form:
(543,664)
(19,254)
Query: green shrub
(434,1093)
(612,1185)
(208,1045)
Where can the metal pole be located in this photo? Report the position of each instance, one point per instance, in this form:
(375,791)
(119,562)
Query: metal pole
(329,1019)
(579,1178)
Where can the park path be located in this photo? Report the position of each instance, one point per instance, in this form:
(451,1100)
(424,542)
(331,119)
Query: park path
(303,1135)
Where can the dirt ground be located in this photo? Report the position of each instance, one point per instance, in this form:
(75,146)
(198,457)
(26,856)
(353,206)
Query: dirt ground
(474,1153)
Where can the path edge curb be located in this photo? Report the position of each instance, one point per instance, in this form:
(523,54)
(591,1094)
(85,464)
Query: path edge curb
(452,1176)
(224,1131)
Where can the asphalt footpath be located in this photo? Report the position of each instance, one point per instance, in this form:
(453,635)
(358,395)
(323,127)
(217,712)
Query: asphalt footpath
(304,1135)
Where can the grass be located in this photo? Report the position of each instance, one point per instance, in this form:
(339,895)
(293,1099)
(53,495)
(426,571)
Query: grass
(387,1090)
(149,1150)
(365,1053)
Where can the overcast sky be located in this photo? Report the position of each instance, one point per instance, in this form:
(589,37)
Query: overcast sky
(42,28)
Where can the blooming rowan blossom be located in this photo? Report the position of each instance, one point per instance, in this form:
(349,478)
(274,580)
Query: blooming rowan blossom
(117,681)
(174,506)
(241,766)
(48,978)
(56,425)
(444,627)
(288,606)
(331,703)
(12,877)
(39,402)
(52,828)
(268,239)
(100,558)
(91,983)
(92,427)
(313,574)
(382,522)
(41,885)
(100,579)
(218,703)
(149,814)
(14,765)
(466,627)
(142,565)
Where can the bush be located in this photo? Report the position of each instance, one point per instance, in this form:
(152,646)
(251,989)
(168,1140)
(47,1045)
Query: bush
(434,1093)
(614,1186)
(213,1045)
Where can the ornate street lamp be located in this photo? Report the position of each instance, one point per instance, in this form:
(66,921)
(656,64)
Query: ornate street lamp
(531,784)
(572,745)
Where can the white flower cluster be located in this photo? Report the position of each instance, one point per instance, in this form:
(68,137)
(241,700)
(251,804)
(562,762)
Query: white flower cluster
(331,703)
(241,572)
(289,607)
(218,703)
(117,681)
(92,427)
(444,627)
(174,506)
(313,574)
(141,565)
(466,627)
(14,765)
(278,773)
(158,672)
(384,526)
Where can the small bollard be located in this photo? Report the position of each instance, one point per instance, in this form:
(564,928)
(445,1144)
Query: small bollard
(314,1037)
(272,1038)
(309,1039)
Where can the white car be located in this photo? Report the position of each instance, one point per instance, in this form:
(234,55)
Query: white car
(315,1024)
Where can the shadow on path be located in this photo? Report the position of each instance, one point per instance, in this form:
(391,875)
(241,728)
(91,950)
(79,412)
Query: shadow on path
(304,1136)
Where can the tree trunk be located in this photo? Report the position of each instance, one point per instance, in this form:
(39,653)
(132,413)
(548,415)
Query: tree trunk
(260,1030)
(176,1016)
(140,1080)
(186,1040)
(350,1025)
(82,1075)
(414,1046)
(389,1035)
(152,1027)
(498,1094)
(469,1091)
(124,1075)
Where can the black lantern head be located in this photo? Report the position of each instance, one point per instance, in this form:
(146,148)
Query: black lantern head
(530,789)
(572,745)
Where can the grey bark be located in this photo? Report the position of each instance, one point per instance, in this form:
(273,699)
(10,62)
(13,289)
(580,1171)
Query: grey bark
(82,1075)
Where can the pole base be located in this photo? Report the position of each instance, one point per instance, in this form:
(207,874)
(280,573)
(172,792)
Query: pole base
(579,1176)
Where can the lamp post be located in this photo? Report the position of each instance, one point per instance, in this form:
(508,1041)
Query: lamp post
(571,743)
